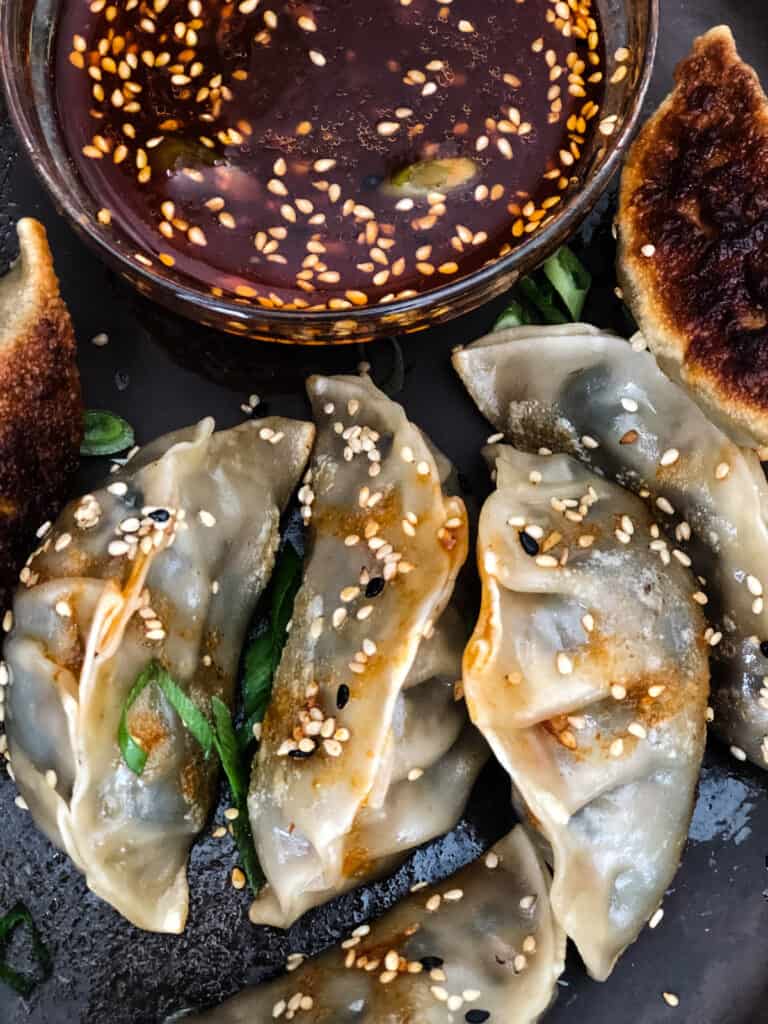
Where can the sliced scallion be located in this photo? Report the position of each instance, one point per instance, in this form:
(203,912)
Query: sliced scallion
(105,433)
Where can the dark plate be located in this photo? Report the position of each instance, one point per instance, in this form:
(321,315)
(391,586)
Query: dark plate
(711,947)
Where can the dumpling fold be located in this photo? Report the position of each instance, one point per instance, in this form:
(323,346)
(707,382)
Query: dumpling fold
(482,945)
(364,752)
(584,391)
(165,563)
(588,675)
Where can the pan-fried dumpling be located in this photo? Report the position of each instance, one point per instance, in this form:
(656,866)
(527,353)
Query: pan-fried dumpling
(166,563)
(606,402)
(587,673)
(385,547)
(437,758)
(481,946)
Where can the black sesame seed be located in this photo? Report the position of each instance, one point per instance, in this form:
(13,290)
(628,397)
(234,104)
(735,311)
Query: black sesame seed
(764,648)
(375,586)
(300,753)
(477,1016)
(160,515)
(431,963)
(372,181)
(530,546)
(342,696)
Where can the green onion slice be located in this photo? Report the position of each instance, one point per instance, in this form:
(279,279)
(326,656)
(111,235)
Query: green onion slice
(105,433)
(22,983)
(570,279)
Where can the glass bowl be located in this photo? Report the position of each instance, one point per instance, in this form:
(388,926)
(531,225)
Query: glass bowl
(25,62)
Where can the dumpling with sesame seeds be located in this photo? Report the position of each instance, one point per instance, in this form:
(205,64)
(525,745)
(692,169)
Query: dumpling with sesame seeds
(587,673)
(480,946)
(385,547)
(436,757)
(607,402)
(164,564)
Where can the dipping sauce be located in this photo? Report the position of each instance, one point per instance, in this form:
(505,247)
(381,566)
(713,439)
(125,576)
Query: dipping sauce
(327,155)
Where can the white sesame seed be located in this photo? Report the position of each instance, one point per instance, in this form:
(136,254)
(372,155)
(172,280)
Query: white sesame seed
(453,895)
(665,506)
(648,250)
(588,622)
(636,729)
(42,530)
(618,692)
(656,917)
(589,442)
(670,999)
(629,404)
(117,548)
(64,609)
(616,749)
(738,753)
(206,518)
(119,489)
(564,664)
(722,470)
(754,586)
(547,561)
(494,438)
(100,340)
(21,803)
(670,457)
(534,476)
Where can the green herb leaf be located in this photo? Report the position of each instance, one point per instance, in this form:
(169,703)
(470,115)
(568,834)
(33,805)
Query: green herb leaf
(434,175)
(228,750)
(235,768)
(542,296)
(105,433)
(193,718)
(570,279)
(515,315)
(190,714)
(287,581)
(133,753)
(263,654)
(257,684)
(536,299)
(22,983)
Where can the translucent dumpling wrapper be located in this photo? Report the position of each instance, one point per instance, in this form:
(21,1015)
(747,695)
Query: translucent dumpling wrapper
(481,946)
(580,390)
(385,546)
(588,675)
(437,756)
(164,563)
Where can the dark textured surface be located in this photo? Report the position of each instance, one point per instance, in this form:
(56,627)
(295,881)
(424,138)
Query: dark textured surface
(711,947)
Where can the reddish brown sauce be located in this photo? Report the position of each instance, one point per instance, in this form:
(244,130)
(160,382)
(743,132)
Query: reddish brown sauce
(253,146)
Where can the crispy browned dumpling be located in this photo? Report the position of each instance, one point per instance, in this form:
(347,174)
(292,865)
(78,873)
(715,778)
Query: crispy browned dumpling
(41,415)
(693,230)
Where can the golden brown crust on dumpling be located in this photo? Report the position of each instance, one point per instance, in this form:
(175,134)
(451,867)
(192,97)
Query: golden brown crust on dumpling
(693,223)
(41,412)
